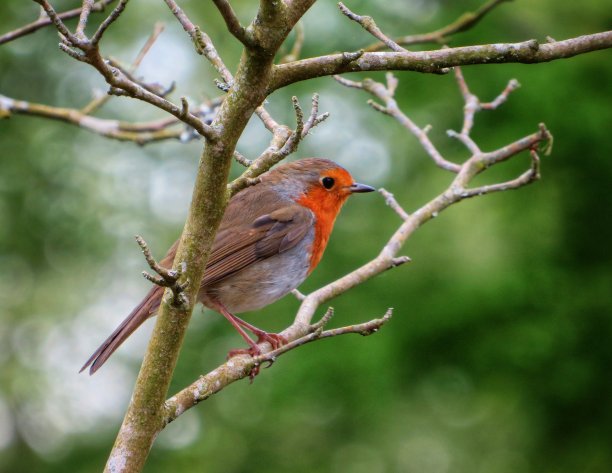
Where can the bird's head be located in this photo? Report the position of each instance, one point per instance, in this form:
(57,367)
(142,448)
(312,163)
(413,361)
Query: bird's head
(319,184)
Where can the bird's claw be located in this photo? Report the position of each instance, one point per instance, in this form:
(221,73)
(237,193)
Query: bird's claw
(274,339)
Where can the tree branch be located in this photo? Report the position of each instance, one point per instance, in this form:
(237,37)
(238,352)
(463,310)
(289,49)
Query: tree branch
(386,95)
(118,79)
(302,330)
(98,6)
(240,367)
(283,143)
(368,24)
(141,133)
(232,22)
(437,61)
(202,42)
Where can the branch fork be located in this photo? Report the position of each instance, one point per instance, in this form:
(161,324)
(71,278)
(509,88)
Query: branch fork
(85,49)
(283,143)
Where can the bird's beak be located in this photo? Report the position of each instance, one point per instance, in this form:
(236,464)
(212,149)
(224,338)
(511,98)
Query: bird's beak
(356,187)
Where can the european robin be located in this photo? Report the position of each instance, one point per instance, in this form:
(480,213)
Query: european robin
(271,237)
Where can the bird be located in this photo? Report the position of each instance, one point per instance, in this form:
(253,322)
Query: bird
(271,237)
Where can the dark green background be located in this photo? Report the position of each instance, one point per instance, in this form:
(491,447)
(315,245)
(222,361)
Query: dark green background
(498,356)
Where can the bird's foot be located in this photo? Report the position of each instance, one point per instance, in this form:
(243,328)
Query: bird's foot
(276,340)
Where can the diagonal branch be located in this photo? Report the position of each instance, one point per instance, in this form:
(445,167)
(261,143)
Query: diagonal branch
(463,23)
(368,24)
(202,42)
(232,22)
(110,19)
(98,102)
(385,94)
(98,6)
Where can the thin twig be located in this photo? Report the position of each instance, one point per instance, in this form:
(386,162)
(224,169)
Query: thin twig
(44,20)
(391,202)
(57,21)
(157,30)
(368,24)
(140,133)
(166,277)
(317,333)
(241,366)
(97,102)
(110,19)
(284,141)
(463,23)
(83,18)
(390,108)
(314,119)
(298,295)
(232,22)
(513,84)
(474,105)
(242,160)
(202,42)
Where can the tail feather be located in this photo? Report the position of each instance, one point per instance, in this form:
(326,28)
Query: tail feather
(147,307)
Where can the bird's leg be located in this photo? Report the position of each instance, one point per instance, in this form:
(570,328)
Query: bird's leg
(235,321)
(253,351)
(274,339)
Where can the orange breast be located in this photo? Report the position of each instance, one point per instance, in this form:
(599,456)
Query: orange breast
(325,205)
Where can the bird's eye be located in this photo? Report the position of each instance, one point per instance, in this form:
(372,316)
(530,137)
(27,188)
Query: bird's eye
(328,182)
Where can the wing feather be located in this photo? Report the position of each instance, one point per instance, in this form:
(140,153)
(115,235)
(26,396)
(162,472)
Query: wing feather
(266,236)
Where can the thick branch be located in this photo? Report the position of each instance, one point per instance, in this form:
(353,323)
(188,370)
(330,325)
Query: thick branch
(438,61)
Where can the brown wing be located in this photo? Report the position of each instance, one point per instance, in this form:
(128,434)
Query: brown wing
(268,235)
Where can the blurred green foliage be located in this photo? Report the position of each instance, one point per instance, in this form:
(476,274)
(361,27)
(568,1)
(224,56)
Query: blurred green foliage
(497,359)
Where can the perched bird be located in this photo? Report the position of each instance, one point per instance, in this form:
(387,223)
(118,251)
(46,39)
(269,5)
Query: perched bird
(271,237)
